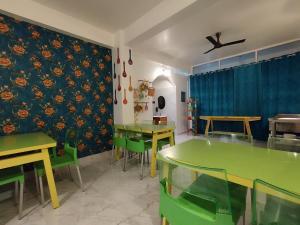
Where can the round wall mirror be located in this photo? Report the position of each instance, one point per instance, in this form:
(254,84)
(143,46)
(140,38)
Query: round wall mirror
(161,102)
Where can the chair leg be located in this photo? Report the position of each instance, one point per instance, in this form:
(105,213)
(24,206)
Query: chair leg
(148,157)
(142,166)
(42,190)
(36,181)
(70,173)
(79,177)
(21,200)
(125,159)
(244,218)
(16,191)
(112,154)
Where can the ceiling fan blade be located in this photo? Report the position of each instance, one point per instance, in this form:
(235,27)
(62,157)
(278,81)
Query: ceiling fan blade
(233,42)
(209,50)
(212,40)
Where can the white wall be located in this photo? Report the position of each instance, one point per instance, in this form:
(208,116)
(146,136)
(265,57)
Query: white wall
(144,68)
(36,13)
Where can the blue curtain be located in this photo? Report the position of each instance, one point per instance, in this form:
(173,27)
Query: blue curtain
(262,89)
(281,88)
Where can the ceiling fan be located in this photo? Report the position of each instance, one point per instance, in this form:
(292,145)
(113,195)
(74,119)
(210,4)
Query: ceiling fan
(217,43)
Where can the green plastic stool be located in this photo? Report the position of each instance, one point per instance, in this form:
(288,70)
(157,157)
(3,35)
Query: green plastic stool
(272,205)
(68,159)
(14,175)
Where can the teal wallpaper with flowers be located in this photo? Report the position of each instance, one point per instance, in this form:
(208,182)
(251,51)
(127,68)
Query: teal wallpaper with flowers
(51,82)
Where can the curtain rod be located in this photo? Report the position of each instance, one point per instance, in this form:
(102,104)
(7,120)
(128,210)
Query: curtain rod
(266,60)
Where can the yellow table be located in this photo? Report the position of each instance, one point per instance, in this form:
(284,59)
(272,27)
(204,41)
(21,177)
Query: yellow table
(20,149)
(244,119)
(157,132)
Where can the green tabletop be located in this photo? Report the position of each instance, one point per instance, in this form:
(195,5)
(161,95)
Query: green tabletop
(25,142)
(244,163)
(145,127)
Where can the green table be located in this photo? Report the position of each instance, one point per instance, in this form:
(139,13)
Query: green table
(244,163)
(157,132)
(35,145)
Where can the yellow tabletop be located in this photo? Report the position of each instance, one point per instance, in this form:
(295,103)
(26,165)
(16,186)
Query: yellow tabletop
(145,127)
(231,118)
(25,142)
(35,145)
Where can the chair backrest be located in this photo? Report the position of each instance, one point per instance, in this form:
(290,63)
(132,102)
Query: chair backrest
(119,141)
(205,187)
(133,131)
(71,137)
(135,145)
(71,142)
(272,205)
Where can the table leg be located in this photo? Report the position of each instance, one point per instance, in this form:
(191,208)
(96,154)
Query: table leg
(166,173)
(164,221)
(207,128)
(117,155)
(171,138)
(248,130)
(50,179)
(153,155)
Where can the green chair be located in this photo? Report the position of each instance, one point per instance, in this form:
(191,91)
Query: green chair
(200,197)
(68,159)
(14,175)
(136,143)
(161,142)
(119,141)
(272,205)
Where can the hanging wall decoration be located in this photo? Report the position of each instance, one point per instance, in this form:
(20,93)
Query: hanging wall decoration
(125,99)
(116,101)
(151,91)
(124,71)
(119,83)
(130,86)
(118,56)
(130,62)
(115,75)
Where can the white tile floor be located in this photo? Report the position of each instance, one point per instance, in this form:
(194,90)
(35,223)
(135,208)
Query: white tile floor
(112,197)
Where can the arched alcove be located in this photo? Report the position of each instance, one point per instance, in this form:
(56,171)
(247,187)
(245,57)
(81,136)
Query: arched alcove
(165,88)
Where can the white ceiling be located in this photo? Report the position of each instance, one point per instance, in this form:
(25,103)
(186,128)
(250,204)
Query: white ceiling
(181,39)
(110,15)
(261,22)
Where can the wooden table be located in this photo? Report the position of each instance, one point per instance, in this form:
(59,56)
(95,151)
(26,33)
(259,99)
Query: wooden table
(157,132)
(243,163)
(20,149)
(244,119)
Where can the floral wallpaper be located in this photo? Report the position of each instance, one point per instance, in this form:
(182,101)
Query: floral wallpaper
(51,82)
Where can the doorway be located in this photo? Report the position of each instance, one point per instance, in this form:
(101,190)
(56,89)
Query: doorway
(165,103)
